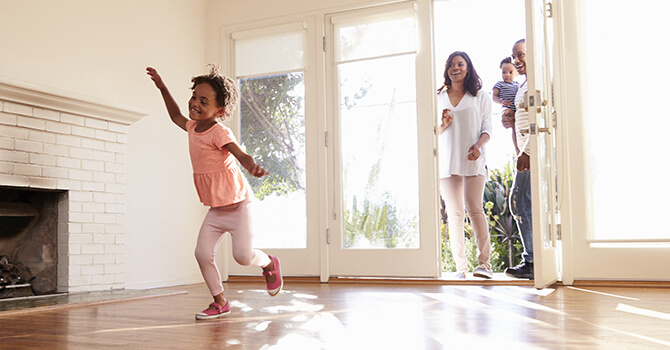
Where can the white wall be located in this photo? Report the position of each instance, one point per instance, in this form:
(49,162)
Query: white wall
(100,49)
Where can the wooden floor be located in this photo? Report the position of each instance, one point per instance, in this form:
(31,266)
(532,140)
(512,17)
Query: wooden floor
(309,315)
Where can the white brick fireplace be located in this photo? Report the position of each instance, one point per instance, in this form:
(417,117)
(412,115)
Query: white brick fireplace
(57,140)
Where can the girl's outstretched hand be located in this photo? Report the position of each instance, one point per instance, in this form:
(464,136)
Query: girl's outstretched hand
(257,171)
(153,73)
(246,160)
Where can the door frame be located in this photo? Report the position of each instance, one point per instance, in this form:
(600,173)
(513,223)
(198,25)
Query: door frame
(428,191)
(583,257)
(302,261)
(539,103)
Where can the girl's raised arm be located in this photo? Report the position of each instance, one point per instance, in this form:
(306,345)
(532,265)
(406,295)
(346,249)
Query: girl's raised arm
(246,160)
(170,103)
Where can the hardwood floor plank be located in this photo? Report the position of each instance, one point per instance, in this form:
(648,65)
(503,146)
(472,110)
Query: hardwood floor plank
(358,316)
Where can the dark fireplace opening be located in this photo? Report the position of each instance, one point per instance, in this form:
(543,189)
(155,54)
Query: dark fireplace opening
(28,241)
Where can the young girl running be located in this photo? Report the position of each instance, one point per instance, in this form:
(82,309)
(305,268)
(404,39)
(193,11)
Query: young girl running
(219,182)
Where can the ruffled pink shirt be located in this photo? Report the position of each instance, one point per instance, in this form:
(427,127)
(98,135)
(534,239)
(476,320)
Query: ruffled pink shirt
(218,179)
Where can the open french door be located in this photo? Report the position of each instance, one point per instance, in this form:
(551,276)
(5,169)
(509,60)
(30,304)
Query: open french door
(539,68)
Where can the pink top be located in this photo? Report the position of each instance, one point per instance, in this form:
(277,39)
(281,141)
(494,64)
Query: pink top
(218,179)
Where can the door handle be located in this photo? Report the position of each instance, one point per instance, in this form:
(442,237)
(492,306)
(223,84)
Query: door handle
(529,101)
(533,128)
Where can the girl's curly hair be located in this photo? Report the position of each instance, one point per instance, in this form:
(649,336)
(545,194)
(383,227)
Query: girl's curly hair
(227,92)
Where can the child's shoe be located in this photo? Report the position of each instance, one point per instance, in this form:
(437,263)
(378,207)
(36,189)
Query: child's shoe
(274,287)
(218,311)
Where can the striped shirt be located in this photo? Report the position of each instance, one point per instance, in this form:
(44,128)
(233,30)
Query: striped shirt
(521,123)
(507,92)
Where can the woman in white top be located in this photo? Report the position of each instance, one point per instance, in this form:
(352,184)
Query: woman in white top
(463,130)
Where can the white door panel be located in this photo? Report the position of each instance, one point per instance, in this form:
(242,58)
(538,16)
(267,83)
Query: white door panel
(383,215)
(540,112)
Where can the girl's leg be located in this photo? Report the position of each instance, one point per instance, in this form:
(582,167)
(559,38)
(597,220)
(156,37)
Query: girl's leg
(211,234)
(243,252)
(474,192)
(242,238)
(451,189)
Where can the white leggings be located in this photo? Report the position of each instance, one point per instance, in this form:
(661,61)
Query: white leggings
(455,190)
(217,223)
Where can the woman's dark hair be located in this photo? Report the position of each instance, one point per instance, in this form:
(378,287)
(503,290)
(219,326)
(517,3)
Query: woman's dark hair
(227,93)
(506,60)
(473,82)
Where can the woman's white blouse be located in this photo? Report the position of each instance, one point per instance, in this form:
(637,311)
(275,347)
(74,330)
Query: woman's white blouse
(472,117)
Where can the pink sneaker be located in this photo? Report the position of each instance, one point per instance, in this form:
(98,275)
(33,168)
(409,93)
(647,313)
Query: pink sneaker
(275,287)
(219,311)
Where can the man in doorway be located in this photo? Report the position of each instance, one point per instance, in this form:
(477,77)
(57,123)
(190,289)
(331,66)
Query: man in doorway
(520,200)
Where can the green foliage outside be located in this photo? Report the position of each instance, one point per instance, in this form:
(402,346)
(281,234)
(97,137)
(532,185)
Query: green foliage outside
(273,129)
(374,223)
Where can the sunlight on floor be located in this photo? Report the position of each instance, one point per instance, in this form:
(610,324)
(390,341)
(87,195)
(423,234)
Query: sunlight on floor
(466,303)
(293,306)
(295,341)
(473,341)
(541,292)
(633,335)
(642,312)
(601,293)
(512,300)
(242,306)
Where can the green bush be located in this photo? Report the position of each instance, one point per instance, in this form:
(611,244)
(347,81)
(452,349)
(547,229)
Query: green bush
(377,223)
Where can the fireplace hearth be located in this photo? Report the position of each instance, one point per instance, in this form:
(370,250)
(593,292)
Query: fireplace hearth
(28,241)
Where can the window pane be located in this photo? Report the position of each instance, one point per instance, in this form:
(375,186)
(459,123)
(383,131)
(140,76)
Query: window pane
(379,153)
(273,131)
(285,49)
(623,113)
(373,39)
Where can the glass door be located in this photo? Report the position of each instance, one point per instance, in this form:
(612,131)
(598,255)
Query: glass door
(539,101)
(273,126)
(383,220)
(617,162)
